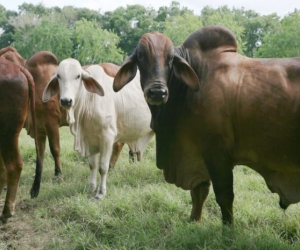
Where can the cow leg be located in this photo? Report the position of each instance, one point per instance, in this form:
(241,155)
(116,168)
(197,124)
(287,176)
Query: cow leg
(225,196)
(94,165)
(199,195)
(41,142)
(54,145)
(2,174)
(105,153)
(131,156)
(13,163)
(222,179)
(117,148)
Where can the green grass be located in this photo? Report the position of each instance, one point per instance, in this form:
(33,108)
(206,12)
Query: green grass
(140,211)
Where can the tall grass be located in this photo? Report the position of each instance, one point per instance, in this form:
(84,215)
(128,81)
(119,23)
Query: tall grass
(140,211)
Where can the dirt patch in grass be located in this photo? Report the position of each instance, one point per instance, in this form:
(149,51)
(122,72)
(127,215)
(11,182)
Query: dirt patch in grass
(19,233)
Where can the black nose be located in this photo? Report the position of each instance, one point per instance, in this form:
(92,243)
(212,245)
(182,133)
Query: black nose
(157,93)
(66,102)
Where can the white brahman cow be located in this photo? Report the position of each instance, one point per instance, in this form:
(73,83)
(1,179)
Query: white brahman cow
(98,116)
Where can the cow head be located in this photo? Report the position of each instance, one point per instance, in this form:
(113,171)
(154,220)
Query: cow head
(68,82)
(156,58)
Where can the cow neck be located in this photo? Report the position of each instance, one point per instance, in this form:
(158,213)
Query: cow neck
(166,117)
(76,112)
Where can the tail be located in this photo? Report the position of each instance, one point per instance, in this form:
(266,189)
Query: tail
(34,192)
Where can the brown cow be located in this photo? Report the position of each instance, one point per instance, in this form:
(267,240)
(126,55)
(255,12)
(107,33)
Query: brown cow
(50,116)
(16,95)
(234,111)
(42,65)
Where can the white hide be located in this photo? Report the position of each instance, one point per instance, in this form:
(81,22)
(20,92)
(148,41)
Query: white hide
(125,115)
(98,121)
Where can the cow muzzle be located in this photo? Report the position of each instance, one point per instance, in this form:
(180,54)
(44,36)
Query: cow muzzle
(66,103)
(156,95)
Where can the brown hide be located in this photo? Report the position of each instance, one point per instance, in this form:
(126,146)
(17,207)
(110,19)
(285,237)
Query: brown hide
(42,65)
(49,116)
(16,95)
(11,54)
(109,68)
(246,112)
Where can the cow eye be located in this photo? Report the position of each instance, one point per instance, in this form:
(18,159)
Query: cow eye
(58,76)
(77,77)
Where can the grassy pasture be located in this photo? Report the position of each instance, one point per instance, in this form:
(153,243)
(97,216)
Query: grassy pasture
(141,210)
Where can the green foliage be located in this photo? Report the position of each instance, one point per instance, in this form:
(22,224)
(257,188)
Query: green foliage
(2,14)
(283,41)
(123,27)
(28,8)
(227,18)
(87,14)
(130,24)
(95,45)
(256,27)
(178,28)
(6,29)
(47,35)
(165,12)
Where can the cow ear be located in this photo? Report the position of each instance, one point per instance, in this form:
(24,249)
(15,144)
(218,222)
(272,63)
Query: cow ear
(184,71)
(125,74)
(91,84)
(51,89)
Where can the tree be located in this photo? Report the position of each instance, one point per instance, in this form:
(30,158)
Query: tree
(255,28)
(178,28)
(283,41)
(225,17)
(129,24)
(166,12)
(39,9)
(70,15)
(6,29)
(95,45)
(48,35)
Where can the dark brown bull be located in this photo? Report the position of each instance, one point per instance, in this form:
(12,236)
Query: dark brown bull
(16,96)
(49,116)
(213,108)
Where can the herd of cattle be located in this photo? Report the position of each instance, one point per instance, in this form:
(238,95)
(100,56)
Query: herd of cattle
(209,107)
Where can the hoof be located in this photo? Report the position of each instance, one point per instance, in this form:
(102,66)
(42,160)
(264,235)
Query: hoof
(99,197)
(3,219)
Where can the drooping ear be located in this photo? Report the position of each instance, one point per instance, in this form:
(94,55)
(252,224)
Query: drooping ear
(126,73)
(91,84)
(184,71)
(51,89)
